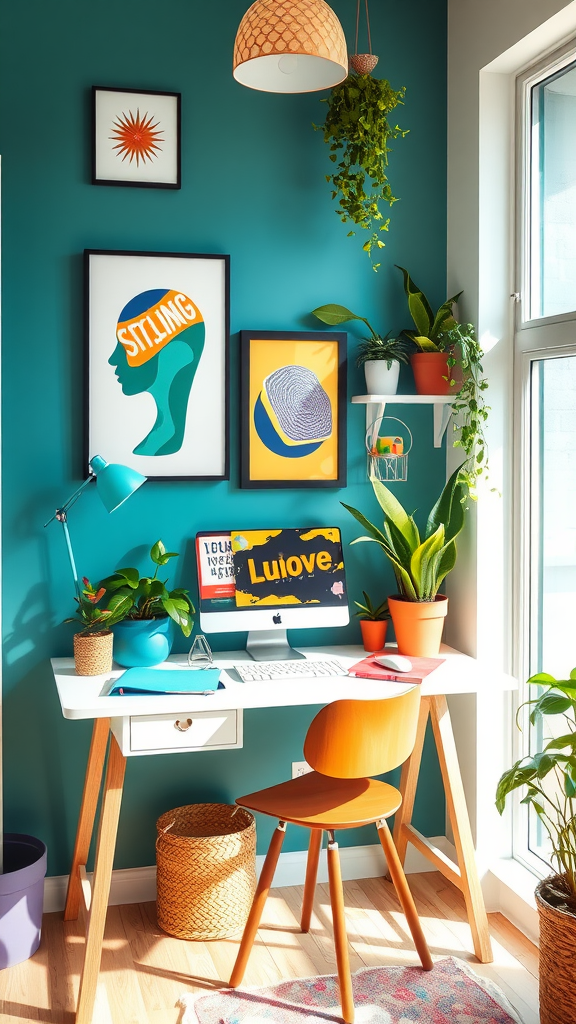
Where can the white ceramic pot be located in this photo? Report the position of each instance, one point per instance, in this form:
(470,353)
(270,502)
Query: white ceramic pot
(379,379)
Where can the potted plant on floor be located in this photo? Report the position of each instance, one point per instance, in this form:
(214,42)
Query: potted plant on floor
(381,357)
(549,779)
(145,612)
(93,644)
(420,566)
(373,623)
(358,132)
(449,362)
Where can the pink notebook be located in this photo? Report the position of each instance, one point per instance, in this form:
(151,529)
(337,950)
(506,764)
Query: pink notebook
(370,669)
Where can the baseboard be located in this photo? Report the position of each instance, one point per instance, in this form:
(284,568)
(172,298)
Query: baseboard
(138,885)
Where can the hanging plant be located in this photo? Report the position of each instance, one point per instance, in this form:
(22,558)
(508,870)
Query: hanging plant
(358,131)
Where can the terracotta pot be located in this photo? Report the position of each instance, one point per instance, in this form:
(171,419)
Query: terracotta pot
(93,652)
(418,625)
(430,369)
(373,634)
(557,955)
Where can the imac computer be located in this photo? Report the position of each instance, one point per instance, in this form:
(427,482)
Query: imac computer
(268,581)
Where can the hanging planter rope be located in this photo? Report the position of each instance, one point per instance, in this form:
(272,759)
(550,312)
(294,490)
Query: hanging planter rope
(363,63)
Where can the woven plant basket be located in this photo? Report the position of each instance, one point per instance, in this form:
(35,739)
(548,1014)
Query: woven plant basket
(557,960)
(363,63)
(206,860)
(93,652)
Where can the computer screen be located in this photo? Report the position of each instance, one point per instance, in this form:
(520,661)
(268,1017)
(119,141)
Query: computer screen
(271,579)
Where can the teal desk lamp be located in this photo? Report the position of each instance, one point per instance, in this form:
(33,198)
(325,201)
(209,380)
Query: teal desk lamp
(114,483)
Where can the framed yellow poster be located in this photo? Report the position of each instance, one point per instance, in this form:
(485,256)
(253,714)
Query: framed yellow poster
(293,409)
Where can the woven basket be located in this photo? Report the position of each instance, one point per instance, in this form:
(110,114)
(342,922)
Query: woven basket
(363,63)
(93,652)
(557,961)
(206,859)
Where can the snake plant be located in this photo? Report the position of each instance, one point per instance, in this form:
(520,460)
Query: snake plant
(420,565)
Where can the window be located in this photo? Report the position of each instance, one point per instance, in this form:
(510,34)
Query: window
(545,367)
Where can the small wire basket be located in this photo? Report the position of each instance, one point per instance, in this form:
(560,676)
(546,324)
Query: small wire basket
(388,452)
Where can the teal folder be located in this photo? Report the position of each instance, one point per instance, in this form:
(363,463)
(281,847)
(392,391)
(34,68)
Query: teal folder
(162,681)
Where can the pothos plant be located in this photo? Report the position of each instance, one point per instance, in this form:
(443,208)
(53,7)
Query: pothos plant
(549,779)
(146,597)
(358,131)
(441,332)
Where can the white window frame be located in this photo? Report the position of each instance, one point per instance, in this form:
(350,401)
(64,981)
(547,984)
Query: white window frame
(534,339)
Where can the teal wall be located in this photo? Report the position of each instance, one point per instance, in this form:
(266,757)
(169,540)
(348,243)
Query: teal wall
(252,186)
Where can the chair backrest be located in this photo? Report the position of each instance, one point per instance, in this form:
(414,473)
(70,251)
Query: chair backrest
(355,739)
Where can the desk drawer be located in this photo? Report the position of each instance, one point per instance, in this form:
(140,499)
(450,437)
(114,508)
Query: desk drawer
(203,730)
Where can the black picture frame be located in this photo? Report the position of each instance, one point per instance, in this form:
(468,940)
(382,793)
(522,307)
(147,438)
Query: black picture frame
(99,346)
(248,479)
(98,178)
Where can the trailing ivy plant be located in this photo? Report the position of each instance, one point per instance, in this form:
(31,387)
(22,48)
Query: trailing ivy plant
(358,132)
(440,332)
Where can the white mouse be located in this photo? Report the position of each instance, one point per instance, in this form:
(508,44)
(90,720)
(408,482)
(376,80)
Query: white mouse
(395,662)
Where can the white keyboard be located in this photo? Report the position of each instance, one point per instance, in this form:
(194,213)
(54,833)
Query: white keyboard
(262,671)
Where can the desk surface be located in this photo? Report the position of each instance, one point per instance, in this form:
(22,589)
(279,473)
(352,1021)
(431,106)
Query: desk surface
(79,695)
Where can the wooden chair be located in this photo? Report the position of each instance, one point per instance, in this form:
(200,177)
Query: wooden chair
(348,741)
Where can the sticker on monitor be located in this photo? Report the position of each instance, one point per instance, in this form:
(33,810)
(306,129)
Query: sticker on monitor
(215,571)
(288,567)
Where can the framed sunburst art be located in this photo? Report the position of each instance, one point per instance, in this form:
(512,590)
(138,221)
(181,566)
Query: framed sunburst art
(135,138)
(293,409)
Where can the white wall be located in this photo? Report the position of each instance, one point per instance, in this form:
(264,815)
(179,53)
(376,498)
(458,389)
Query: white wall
(488,43)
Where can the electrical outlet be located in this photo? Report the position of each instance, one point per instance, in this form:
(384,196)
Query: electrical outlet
(300,768)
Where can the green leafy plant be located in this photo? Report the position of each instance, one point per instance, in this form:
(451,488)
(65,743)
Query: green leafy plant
(358,131)
(549,778)
(92,618)
(374,347)
(146,597)
(368,611)
(441,332)
(419,566)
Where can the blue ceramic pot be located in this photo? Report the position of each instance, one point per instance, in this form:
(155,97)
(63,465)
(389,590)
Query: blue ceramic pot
(143,642)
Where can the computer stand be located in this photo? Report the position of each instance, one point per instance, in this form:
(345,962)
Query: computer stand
(271,645)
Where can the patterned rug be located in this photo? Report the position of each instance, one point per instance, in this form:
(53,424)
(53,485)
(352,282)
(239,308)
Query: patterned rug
(449,994)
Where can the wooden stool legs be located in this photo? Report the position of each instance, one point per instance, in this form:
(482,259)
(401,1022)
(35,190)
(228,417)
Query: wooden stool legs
(404,895)
(311,875)
(340,936)
(260,897)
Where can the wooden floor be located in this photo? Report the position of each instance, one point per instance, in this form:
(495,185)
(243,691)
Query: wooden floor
(144,971)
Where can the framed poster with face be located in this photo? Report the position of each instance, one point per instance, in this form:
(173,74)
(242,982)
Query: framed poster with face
(156,332)
(135,138)
(293,409)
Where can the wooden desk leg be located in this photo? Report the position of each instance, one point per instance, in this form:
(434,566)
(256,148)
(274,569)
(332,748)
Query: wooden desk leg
(408,783)
(107,830)
(92,783)
(458,814)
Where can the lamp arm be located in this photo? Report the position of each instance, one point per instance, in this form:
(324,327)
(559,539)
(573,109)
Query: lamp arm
(61,512)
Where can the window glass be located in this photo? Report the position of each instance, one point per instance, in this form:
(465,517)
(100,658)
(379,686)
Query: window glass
(553,561)
(553,195)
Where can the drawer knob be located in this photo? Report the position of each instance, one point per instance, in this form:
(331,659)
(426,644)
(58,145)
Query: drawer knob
(183,726)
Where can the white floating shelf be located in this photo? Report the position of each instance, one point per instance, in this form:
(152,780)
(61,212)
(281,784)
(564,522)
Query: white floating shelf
(442,409)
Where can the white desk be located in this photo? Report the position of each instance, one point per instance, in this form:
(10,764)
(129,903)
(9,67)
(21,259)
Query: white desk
(140,725)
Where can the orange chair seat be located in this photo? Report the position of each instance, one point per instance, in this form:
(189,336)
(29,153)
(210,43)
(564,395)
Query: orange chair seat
(318,801)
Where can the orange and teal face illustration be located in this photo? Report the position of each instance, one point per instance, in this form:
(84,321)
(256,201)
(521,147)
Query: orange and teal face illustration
(160,338)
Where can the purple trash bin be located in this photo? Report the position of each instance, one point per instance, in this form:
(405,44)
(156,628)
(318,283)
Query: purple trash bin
(21,897)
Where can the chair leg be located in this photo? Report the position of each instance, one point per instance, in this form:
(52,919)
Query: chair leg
(340,937)
(260,897)
(311,875)
(404,895)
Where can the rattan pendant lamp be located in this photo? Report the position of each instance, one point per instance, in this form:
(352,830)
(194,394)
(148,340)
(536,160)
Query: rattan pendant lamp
(290,46)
